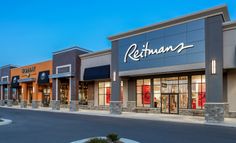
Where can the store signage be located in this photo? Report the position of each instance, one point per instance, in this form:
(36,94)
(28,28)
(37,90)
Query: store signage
(28,70)
(135,54)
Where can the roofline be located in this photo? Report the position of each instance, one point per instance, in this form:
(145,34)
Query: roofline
(70,49)
(229,25)
(33,64)
(9,65)
(222,9)
(93,54)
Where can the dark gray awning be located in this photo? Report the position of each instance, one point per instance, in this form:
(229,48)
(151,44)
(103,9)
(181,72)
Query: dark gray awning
(26,80)
(61,75)
(14,81)
(4,82)
(43,77)
(94,73)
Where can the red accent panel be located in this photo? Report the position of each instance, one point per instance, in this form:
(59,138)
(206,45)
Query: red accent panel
(108,95)
(146,94)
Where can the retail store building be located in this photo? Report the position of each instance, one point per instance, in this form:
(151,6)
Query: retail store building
(181,66)
(31,86)
(186,66)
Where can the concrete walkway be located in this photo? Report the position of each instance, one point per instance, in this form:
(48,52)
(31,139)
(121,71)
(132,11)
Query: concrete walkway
(229,122)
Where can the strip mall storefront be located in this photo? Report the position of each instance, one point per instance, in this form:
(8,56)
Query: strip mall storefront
(5,85)
(31,86)
(181,66)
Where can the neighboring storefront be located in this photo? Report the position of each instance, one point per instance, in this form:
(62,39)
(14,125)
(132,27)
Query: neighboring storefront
(5,86)
(95,83)
(181,66)
(31,86)
(66,77)
(96,75)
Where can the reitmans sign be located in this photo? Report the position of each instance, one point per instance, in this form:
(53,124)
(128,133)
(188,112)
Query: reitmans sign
(135,54)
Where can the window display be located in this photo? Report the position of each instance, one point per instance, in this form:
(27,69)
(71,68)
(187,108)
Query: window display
(64,91)
(143,92)
(104,93)
(164,88)
(46,96)
(83,93)
(183,92)
(198,91)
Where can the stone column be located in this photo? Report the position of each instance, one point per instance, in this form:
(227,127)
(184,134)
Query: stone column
(73,94)
(35,102)
(115,103)
(1,96)
(9,96)
(215,105)
(23,103)
(55,102)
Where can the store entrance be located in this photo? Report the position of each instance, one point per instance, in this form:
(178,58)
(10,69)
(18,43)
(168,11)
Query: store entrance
(169,103)
(83,93)
(30,94)
(64,91)
(46,96)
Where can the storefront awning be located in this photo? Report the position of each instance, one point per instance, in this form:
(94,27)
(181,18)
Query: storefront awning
(61,75)
(14,81)
(94,73)
(4,82)
(43,77)
(26,80)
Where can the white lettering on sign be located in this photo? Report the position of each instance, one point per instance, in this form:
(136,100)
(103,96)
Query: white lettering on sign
(135,54)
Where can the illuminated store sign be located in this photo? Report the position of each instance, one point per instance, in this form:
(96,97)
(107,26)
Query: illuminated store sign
(28,70)
(135,54)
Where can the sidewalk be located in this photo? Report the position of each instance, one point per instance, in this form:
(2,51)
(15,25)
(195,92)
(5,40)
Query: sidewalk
(229,122)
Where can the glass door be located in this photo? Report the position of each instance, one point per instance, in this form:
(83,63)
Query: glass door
(30,94)
(169,103)
(174,103)
(165,103)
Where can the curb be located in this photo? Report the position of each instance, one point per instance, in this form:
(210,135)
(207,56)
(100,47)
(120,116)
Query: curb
(5,122)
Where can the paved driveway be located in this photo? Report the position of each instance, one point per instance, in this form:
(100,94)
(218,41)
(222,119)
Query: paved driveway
(48,127)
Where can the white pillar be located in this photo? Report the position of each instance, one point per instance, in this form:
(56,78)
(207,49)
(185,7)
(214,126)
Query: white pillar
(70,90)
(56,89)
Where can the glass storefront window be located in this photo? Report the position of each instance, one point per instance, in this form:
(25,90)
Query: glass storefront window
(183,92)
(178,86)
(104,93)
(198,91)
(143,92)
(64,91)
(5,93)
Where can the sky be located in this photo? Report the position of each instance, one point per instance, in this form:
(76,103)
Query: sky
(30,30)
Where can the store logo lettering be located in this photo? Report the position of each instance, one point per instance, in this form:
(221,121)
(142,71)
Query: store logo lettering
(134,54)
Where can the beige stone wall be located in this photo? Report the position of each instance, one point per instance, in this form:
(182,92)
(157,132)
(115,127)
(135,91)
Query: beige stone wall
(232,90)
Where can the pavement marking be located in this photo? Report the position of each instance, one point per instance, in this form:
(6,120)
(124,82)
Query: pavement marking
(5,122)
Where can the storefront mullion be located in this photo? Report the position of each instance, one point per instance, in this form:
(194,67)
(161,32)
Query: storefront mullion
(152,94)
(189,92)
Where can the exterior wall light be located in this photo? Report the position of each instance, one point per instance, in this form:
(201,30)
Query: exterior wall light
(114,76)
(213,66)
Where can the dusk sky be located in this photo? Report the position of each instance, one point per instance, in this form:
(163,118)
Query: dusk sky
(30,30)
